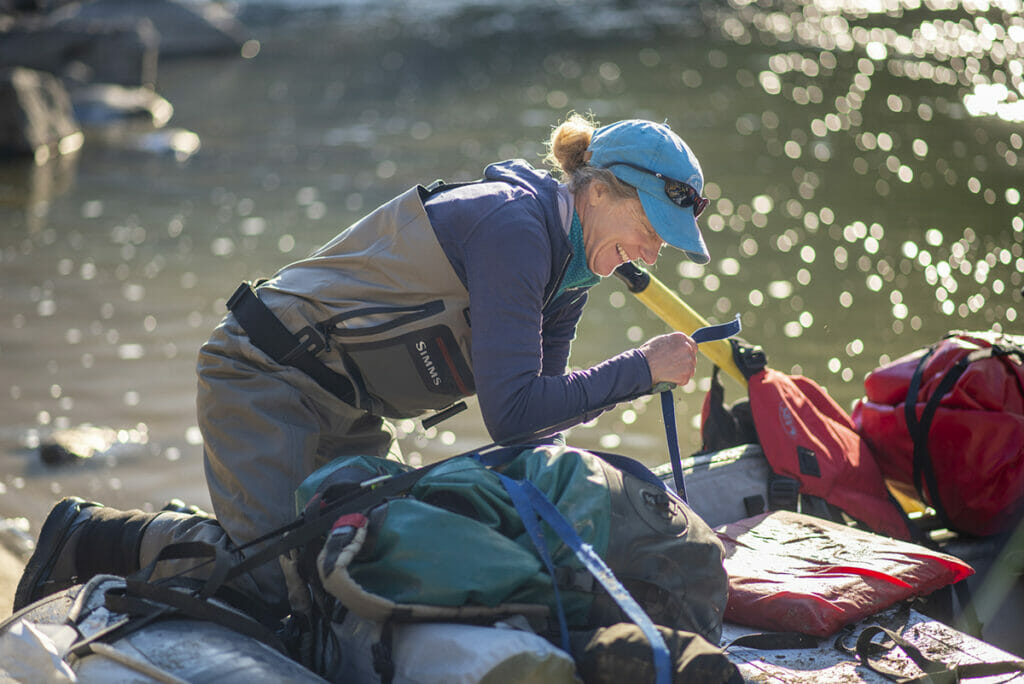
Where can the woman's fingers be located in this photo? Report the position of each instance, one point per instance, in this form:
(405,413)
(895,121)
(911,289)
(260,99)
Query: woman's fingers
(671,358)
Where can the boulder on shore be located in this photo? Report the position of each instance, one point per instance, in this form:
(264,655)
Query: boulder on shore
(113,41)
(35,116)
(122,51)
(105,53)
(184,28)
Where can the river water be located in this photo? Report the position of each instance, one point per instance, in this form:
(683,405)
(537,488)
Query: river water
(863,158)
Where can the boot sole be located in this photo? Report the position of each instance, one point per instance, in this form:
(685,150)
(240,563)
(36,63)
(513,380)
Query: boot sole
(56,531)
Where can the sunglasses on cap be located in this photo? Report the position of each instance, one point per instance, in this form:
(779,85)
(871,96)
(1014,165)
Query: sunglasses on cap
(679,193)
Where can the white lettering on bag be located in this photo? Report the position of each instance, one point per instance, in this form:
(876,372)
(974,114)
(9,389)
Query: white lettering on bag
(421,347)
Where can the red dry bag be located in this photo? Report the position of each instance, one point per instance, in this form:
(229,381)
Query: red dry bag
(949,420)
(806,436)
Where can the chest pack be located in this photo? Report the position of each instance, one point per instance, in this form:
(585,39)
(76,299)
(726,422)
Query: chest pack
(948,420)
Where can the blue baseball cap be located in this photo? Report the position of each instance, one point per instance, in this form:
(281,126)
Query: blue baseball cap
(648,156)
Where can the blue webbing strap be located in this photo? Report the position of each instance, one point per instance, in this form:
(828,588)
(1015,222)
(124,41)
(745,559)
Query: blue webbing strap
(668,415)
(529,516)
(709,333)
(530,502)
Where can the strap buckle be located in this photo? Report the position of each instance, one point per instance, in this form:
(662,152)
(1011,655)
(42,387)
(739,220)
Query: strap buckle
(783,493)
(309,340)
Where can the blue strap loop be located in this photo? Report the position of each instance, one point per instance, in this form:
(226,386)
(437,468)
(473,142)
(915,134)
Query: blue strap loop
(709,333)
(720,331)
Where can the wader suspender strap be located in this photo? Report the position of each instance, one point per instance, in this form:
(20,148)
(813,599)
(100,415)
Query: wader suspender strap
(709,333)
(299,351)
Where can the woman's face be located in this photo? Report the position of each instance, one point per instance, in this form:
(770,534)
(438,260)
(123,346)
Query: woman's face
(615,230)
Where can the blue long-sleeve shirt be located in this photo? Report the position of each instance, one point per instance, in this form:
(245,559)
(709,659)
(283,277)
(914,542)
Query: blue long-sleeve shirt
(507,241)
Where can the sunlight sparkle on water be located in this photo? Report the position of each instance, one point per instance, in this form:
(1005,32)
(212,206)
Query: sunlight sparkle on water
(780,289)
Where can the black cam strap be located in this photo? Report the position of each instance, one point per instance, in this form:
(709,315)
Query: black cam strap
(138,595)
(935,671)
(145,603)
(267,332)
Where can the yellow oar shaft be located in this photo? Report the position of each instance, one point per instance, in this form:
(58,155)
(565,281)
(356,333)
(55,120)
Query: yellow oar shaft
(677,314)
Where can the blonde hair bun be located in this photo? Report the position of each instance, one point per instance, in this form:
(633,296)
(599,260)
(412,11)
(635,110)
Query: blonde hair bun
(568,143)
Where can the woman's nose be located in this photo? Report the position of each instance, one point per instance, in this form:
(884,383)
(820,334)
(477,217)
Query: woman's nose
(650,252)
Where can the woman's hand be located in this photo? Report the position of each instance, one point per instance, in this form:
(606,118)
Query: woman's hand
(671,358)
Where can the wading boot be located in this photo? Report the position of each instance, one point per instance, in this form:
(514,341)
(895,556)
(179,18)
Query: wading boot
(81,539)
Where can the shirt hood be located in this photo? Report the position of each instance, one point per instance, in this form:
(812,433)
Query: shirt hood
(537,181)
